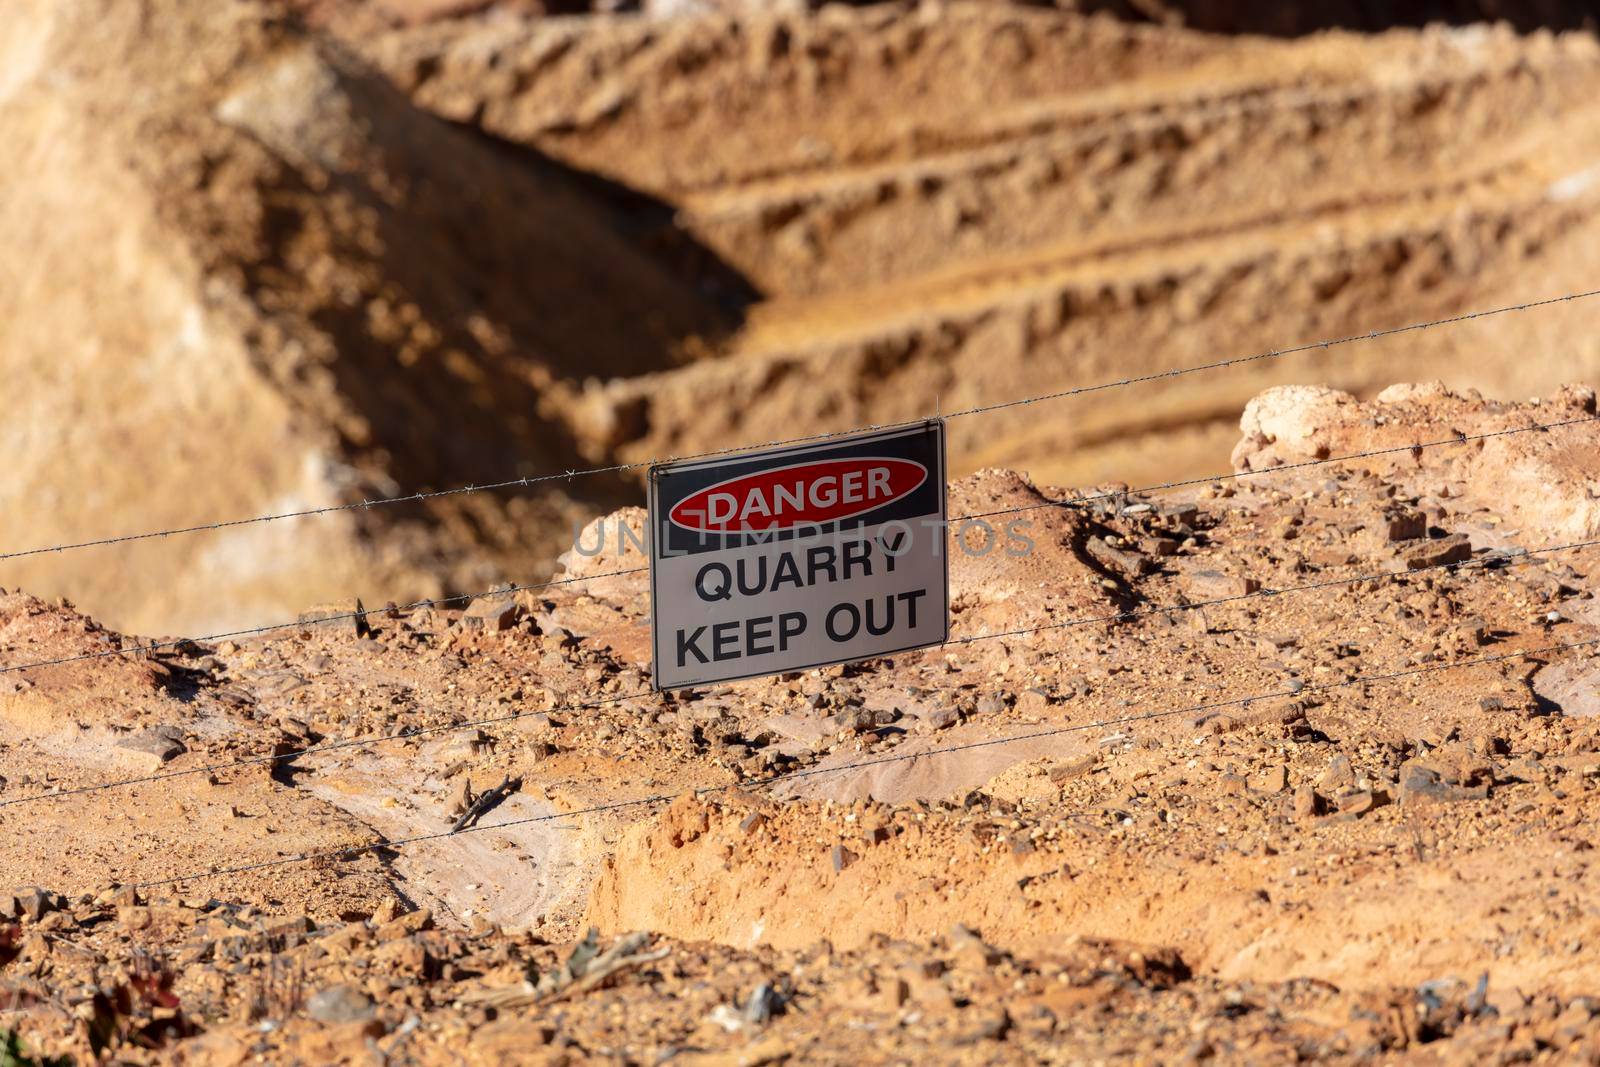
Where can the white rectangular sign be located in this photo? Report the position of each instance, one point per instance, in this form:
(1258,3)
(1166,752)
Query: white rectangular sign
(798,557)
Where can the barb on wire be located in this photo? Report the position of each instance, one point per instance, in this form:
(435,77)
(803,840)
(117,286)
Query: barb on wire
(981,409)
(352,851)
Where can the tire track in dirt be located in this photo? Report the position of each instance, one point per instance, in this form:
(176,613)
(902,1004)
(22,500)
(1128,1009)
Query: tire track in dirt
(1363,219)
(1268,151)
(1006,328)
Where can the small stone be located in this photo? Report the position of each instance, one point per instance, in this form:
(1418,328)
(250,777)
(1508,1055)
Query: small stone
(1422,785)
(464,798)
(410,923)
(1130,564)
(1405,525)
(1479,629)
(492,613)
(1357,803)
(1161,546)
(854,721)
(1441,552)
(942,718)
(1075,768)
(1339,775)
(991,704)
(1306,802)
(340,1004)
(1274,643)
(1215,585)
(127,897)
(993,1024)
(152,748)
(409,958)
(972,950)
(1033,699)
(33,903)
(842,858)
(1526,769)
(1273,779)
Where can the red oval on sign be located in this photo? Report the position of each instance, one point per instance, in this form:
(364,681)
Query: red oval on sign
(806,494)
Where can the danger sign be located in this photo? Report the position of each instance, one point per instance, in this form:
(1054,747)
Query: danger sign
(798,557)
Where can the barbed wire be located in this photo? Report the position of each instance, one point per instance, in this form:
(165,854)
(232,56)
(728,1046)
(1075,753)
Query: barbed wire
(1020,509)
(352,851)
(1184,483)
(528,482)
(508,589)
(1491,562)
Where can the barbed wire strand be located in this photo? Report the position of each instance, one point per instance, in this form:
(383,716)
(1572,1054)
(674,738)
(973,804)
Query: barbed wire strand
(1486,563)
(1066,502)
(509,589)
(351,851)
(1460,439)
(528,482)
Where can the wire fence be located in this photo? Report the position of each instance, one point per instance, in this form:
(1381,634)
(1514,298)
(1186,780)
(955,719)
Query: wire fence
(1521,557)
(568,475)
(1488,563)
(1065,502)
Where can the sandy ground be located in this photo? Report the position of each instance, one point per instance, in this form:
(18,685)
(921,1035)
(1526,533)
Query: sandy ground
(1176,817)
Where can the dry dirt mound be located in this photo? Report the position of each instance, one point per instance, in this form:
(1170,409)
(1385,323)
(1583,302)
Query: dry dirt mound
(1539,485)
(266,282)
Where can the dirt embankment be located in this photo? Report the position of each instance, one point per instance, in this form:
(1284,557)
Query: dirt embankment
(1144,815)
(935,228)
(1210,16)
